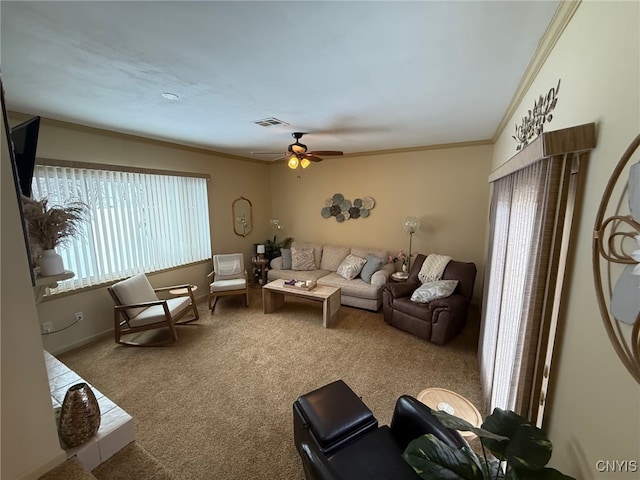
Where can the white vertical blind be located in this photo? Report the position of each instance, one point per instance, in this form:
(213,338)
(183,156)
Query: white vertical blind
(139,222)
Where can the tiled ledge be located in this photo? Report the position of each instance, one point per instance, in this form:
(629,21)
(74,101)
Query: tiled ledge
(116,426)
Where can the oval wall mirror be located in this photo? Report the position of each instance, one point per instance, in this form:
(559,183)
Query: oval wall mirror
(242,212)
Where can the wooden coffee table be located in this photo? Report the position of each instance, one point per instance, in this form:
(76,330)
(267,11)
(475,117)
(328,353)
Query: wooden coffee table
(273,298)
(453,404)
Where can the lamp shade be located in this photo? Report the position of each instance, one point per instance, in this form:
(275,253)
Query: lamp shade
(411,224)
(260,249)
(293,162)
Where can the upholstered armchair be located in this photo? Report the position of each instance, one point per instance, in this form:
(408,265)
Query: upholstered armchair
(338,438)
(138,308)
(228,277)
(438,321)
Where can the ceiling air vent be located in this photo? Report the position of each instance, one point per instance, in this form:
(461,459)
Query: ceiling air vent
(270,122)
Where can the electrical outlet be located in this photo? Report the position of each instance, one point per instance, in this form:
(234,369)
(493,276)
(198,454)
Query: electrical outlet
(47,327)
(79,316)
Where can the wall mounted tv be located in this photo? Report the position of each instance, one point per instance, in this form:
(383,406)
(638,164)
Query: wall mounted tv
(25,141)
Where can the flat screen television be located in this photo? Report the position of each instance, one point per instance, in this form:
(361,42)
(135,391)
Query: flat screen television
(8,141)
(25,142)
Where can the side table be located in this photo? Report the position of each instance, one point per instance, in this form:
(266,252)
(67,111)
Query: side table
(399,277)
(453,404)
(259,274)
(183,291)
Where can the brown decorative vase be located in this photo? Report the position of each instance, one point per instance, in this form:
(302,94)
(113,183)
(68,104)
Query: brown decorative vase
(79,416)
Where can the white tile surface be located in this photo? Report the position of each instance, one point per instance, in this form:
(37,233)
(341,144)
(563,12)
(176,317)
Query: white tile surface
(116,426)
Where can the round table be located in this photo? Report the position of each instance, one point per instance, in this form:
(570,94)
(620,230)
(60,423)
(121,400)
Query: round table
(452,403)
(183,291)
(399,276)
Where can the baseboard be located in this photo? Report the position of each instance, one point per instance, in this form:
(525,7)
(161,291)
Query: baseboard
(82,342)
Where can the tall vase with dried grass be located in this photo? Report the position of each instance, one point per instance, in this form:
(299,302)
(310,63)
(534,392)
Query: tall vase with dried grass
(52,226)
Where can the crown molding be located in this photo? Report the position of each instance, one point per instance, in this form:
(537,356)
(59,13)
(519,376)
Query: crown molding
(561,18)
(136,138)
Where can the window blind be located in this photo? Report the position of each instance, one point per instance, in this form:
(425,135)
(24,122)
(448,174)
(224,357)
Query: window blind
(532,205)
(139,221)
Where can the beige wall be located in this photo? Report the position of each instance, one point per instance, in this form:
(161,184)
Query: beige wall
(445,188)
(595,405)
(30,444)
(230,179)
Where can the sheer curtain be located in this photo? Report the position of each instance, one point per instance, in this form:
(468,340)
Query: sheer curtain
(139,221)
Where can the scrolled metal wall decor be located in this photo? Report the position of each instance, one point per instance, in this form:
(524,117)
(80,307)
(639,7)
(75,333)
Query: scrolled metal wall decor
(533,124)
(616,241)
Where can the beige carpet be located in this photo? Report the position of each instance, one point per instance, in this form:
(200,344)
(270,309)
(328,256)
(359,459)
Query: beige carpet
(217,404)
(132,462)
(72,469)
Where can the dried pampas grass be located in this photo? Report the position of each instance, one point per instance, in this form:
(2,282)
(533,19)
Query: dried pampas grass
(48,226)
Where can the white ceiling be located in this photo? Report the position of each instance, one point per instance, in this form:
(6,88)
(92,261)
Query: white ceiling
(357,76)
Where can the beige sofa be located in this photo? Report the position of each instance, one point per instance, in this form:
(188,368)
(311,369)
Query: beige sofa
(327,258)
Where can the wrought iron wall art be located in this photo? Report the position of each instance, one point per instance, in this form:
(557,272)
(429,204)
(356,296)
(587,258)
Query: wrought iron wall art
(342,209)
(616,252)
(533,124)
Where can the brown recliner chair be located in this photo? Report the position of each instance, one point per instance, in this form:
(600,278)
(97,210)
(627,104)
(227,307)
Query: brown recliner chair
(438,321)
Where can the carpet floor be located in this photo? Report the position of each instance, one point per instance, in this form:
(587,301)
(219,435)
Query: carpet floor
(217,403)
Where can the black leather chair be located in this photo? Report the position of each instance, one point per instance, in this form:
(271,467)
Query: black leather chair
(368,453)
(438,321)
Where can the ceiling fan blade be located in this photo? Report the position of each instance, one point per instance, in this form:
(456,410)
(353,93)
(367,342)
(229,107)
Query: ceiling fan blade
(326,153)
(312,158)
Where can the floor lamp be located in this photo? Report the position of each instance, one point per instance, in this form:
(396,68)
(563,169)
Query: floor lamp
(411,225)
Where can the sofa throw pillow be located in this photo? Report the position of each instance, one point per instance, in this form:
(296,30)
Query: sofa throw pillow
(302,259)
(350,267)
(285,253)
(432,290)
(372,266)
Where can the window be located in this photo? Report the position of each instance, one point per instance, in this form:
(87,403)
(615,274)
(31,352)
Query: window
(141,221)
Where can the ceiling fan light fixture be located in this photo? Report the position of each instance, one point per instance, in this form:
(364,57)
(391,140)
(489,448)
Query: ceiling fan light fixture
(293,162)
(298,148)
(304,163)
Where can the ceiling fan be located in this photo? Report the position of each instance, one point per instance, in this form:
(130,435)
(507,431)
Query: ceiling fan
(298,154)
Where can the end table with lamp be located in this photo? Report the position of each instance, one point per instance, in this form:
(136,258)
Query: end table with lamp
(260,266)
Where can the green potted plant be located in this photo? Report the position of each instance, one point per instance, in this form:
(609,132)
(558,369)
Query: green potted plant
(51,226)
(272,247)
(518,451)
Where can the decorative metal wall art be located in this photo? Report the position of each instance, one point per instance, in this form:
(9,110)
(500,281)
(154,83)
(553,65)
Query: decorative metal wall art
(533,124)
(616,252)
(342,209)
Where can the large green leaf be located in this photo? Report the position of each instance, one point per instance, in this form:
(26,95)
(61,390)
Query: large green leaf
(527,448)
(432,459)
